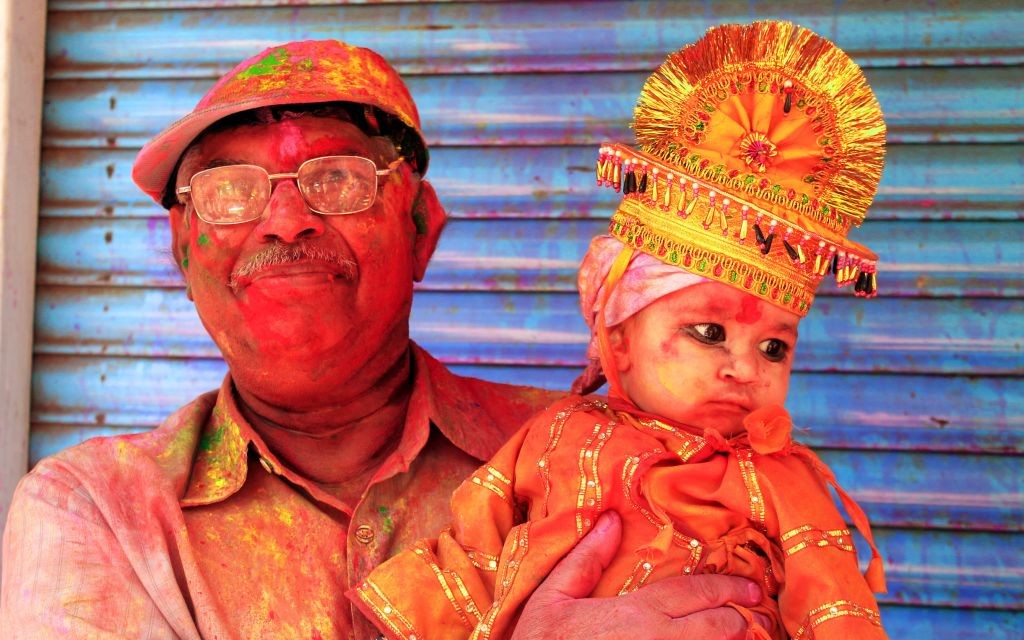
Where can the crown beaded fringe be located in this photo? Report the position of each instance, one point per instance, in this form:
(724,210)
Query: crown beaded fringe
(678,195)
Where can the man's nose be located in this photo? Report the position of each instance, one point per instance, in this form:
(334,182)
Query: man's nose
(287,218)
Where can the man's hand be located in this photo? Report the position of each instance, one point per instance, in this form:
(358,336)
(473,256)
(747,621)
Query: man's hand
(680,608)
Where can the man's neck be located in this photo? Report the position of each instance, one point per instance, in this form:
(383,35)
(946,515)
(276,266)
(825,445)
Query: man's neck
(341,445)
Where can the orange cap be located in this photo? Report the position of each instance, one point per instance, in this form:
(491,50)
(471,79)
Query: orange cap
(312,71)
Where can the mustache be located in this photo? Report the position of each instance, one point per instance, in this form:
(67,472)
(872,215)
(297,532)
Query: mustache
(280,253)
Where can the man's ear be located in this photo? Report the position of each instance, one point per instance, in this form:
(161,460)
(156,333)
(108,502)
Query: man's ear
(178,217)
(429,217)
(618,341)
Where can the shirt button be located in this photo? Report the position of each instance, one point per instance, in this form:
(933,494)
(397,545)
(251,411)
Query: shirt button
(364,534)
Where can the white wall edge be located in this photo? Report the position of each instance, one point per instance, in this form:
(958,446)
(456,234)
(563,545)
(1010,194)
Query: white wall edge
(22,62)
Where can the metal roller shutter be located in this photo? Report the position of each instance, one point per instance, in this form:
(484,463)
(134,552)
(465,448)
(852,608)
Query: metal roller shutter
(916,399)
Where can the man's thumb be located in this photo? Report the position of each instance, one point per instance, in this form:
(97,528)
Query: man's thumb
(576,575)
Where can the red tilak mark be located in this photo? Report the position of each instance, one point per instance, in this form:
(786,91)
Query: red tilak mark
(750,310)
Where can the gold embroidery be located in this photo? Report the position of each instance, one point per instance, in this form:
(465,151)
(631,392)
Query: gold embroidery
(486,478)
(588,499)
(641,572)
(749,472)
(832,610)
(498,475)
(375,600)
(483,561)
(695,547)
(520,542)
(629,470)
(443,578)
(554,434)
(689,444)
(798,539)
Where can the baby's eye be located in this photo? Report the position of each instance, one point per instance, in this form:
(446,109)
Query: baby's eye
(707,333)
(774,349)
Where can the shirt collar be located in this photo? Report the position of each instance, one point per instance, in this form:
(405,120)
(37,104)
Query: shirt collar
(462,409)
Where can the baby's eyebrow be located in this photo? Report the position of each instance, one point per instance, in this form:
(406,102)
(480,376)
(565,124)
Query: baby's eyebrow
(784,327)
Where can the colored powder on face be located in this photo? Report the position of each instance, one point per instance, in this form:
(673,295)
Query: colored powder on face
(266,66)
(750,310)
(203,240)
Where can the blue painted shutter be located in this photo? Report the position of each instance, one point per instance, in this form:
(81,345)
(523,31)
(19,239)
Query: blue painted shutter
(916,399)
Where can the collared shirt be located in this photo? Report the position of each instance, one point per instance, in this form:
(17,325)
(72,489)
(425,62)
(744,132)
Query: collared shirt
(197,530)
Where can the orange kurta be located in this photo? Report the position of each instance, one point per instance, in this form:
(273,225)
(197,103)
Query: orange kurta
(690,503)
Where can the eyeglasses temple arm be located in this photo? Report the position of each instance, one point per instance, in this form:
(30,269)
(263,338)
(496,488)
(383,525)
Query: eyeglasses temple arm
(391,167)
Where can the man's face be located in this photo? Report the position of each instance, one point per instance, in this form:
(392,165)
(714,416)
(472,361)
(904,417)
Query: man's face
(299,321)
(706,356)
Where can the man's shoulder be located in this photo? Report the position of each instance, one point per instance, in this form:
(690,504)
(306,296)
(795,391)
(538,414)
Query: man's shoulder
(501,398)
(478,415)
(169,447)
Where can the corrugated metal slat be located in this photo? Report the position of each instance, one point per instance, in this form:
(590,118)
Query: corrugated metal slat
(947,336)
(858,411)
(916,399)
(921,182)
(921,105)
(516,36)
(970,259)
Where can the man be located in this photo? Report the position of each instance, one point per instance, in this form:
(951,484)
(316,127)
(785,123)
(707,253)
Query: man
(300,221)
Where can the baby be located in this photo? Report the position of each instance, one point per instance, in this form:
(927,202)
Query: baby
(760,146)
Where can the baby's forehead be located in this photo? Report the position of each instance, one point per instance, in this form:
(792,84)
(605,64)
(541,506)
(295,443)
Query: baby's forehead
(715,302)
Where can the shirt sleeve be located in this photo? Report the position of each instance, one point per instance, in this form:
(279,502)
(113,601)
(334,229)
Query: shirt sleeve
(65,573)
(822,593)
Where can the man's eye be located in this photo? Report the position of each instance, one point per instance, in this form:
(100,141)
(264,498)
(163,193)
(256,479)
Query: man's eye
(707,333)
(774,349)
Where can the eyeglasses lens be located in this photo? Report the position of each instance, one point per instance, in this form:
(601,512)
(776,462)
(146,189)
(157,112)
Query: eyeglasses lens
(338,184)
(231,194)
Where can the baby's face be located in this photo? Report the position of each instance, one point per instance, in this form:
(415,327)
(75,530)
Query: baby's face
(706,356)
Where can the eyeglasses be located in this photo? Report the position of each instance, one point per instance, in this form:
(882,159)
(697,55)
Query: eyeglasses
(331,186)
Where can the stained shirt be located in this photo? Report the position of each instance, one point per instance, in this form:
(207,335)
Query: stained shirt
(196,529)
(691,501)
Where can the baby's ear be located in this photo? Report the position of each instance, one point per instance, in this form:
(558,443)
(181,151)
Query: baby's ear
(618,341)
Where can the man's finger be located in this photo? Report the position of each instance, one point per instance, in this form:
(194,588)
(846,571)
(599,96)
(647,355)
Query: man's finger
(576,575)
(723,623)
(685,595)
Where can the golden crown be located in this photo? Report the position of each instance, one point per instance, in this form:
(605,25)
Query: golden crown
(761,145)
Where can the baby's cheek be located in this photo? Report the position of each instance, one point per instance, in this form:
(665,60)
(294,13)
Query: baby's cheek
(773,382)
(668,348)
(675,383)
